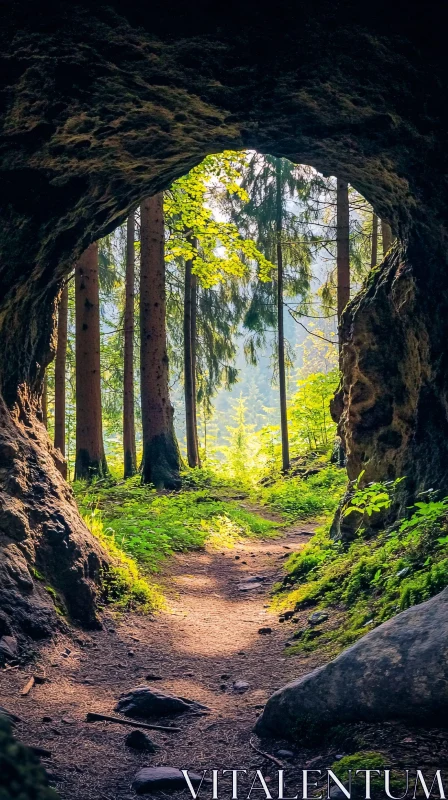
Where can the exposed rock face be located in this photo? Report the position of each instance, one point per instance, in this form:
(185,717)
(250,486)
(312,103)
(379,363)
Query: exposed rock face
(104,104)
(399,670)
(41,536)
(392,404)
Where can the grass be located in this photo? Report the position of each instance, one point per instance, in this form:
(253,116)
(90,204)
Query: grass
(302,498)
(123,586)
(364,583)
(140,529)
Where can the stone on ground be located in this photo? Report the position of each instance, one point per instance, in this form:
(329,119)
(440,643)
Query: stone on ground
(144,702)
(317,618)
(240,686)
(399,670)
(166,779)
(140,741)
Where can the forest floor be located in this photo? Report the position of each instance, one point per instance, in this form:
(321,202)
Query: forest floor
(207,639)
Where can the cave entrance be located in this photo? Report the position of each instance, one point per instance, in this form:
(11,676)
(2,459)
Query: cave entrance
(106,106)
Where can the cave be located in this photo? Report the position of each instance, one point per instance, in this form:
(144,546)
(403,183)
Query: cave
(105,104)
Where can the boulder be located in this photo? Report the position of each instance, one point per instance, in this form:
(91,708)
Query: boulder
(166,779)
(144,702)
(399,670)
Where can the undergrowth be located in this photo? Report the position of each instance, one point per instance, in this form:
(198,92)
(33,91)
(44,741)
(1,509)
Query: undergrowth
(370,580)
(140,529)
(122,585)
(301,497)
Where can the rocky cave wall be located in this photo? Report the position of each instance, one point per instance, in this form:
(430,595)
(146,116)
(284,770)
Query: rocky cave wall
(393,400)
(103,104)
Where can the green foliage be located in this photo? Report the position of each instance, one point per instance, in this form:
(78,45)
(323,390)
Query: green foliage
(22,777)
(373,760)
(134,521)
(369,580)
(311,425)
(425,585)
(243,461)
(368,759)
(271,183)
(221,250)
(428,516)
(311,429)
(122,584)
(302,498)
(370,499)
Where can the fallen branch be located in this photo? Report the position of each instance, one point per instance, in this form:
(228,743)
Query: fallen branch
(28,686)
(91,717)
(274,760)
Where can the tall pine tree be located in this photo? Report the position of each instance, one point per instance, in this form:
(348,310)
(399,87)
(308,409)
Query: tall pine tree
(161,458)
(386,232)
(342,245)
(60,377)
(129,447)
(273,186)
(90,456)
(190,333)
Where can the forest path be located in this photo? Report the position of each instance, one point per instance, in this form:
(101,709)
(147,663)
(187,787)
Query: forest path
(204,642)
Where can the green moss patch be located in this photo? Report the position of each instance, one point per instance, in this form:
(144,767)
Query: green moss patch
(364,583)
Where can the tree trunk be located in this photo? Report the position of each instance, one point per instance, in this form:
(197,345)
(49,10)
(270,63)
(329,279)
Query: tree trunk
(45,401)
(343,246)
(130,456)
(374,255)
(90,458)
(280,325)
(386,233)
(194,341)
(189,368)
(59,378)
(161,459)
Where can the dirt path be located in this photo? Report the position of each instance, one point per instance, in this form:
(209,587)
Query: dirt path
(207,640)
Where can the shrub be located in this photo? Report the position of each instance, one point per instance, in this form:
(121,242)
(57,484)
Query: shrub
(301,498)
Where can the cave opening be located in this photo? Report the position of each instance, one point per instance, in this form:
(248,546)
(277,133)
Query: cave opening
(112,131)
